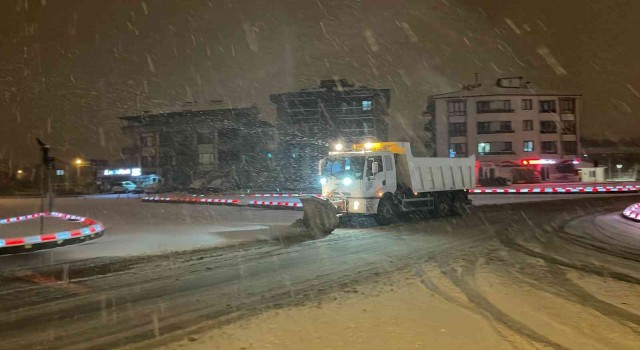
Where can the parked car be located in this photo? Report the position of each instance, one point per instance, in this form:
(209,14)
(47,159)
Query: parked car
(124,187)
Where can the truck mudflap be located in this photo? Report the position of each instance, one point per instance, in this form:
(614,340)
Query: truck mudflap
(320,215)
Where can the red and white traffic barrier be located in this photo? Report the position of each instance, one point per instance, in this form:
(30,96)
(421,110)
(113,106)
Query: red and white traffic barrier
(277,204)
(92,227)
(284,194)
(632,212)
(190,200)
(566,189)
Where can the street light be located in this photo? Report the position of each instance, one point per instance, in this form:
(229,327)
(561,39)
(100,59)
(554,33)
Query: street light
(78,162)
(20,171)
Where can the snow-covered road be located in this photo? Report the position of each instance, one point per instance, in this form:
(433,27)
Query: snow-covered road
(133,227)
(546,274)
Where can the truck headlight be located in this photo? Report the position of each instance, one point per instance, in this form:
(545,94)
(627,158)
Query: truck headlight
(347,181)
(323,181)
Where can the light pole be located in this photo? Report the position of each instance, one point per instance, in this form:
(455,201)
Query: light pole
(78,163)
(48,164)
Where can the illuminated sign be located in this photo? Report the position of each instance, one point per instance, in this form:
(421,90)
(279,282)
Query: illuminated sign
(538,161)
(116,172)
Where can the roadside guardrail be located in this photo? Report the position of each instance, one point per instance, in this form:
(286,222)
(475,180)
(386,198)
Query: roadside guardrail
(92,229)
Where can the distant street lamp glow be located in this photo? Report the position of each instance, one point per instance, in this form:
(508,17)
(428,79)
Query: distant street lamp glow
(78,161)
(20,171)
(368,145)
(338,147)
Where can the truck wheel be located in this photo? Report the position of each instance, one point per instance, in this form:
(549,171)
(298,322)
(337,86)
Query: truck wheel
(443,205)
(387,211)
(459,205)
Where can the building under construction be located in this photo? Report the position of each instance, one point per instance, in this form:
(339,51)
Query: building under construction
(310,120)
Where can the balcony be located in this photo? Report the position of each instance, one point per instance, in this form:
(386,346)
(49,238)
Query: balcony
(485,132)
(496,153)
(495,111)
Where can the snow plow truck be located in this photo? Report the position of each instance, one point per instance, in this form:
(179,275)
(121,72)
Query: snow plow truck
(385,180)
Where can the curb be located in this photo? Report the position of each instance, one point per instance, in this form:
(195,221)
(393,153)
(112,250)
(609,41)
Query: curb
(576,189)
(93,229)
(191,200)
(280,204)
(285,194)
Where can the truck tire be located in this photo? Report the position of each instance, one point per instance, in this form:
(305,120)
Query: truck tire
(443,204)
(388,211)
(459,207)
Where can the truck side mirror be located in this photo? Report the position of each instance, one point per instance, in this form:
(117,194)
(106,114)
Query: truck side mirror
(374,168)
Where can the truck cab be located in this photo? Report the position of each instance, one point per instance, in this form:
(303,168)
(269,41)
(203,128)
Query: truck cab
(355,182)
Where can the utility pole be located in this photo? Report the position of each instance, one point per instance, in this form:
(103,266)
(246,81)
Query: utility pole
(47,166)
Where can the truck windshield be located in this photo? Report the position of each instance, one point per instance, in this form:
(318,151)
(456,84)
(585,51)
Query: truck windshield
(340,166)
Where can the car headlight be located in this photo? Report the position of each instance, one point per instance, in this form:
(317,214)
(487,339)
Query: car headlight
(323,181)
(347,181)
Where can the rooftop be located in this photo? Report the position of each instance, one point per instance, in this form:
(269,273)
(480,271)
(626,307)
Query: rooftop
(244,116)
(332,88)
(511,86)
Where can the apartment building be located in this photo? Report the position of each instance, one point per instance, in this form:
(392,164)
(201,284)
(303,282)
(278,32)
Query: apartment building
(199,145)
(509,122)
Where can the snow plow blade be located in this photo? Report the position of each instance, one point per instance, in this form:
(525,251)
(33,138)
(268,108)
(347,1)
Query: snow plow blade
(320,216)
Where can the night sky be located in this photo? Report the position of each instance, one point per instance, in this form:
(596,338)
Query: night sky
(69,68)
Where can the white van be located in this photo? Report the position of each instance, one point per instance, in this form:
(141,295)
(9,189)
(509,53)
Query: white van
(149,183)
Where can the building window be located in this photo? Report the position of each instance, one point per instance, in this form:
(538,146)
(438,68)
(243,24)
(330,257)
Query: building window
(548,127)
(59,172)
(494,127)
(484,148)
(505,126)
(568,106)
(367,105)
(457,129)
(549,147)
(148,140)
(528,146)
(456,108)
(527,105)
(167,160)
(569,147)
(147,161)
(460,149)
(489,148)
(484,127)
(569,127)
(205,137)
(548,106)
(527,125)
(205,158)
(497,106)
